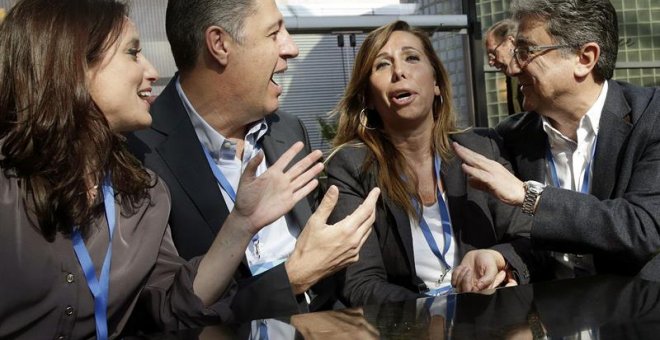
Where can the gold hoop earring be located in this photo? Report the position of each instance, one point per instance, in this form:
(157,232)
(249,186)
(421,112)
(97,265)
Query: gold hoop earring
(364,120)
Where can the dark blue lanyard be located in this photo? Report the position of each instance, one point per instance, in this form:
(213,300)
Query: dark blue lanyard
(100,287)
(446,221)
(224,183)
(263,330)
(553,168)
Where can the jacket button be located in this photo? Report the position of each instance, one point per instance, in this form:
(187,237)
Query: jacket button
(68,310)
(70,278)
(61,337)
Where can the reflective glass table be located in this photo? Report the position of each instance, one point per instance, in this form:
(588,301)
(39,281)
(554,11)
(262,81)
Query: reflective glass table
(598,307)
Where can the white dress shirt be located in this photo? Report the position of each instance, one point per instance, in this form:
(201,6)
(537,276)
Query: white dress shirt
(275,242)
(428,267)
(572,160)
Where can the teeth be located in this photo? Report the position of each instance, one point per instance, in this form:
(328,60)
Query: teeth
(144,94)
(403,95)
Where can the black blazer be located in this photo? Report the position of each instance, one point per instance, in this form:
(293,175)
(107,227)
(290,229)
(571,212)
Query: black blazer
(619,222)
(172,150)
(385,270)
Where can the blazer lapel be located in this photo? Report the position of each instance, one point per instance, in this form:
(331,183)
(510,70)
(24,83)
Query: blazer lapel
(613,133)
(468,230)
(402,222)
(274,145)
(455,185)
(182,152)
(531,155)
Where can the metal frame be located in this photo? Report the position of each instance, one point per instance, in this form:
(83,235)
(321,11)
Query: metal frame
(434,23)
(366,23)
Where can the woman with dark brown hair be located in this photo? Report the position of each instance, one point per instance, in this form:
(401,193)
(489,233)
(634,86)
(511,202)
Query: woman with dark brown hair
(396,126)
(83,227)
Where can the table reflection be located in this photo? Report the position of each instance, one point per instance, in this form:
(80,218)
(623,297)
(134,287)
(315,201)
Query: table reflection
(599,307)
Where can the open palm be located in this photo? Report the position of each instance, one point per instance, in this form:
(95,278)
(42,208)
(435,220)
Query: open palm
(263,199)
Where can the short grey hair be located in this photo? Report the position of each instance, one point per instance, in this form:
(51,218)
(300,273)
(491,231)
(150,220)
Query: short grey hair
(187,20)
(575,23)
(502,29)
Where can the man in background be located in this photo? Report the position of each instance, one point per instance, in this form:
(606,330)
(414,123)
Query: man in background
(499,44)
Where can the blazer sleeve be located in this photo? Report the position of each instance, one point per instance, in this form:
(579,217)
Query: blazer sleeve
(625,227)
(169,298)
(364,282)
(507,220)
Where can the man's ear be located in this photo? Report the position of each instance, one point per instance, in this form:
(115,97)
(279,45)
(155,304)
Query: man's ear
(217,44)
(587,58)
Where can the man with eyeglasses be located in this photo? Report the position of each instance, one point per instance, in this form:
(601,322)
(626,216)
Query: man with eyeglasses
(587,151)
(499,44)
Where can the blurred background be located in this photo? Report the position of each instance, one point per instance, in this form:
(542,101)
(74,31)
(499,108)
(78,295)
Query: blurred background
(329,32)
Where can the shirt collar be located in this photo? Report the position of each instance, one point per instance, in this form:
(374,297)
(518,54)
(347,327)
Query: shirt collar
(588,125)
(219,147)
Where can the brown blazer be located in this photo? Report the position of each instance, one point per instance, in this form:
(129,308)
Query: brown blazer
(43,292)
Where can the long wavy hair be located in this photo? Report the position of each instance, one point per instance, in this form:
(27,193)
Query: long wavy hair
(54,137)
(355,128)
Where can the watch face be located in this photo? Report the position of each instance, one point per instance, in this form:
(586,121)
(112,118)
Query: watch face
(535,186)
(532,192)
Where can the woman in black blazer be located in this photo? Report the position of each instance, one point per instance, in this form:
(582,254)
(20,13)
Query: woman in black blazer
(396,127)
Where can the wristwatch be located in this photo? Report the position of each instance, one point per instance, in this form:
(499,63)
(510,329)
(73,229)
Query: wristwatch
(533,191)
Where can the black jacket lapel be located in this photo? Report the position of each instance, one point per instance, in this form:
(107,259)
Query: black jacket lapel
(182,151)
(609,146)
(274,145)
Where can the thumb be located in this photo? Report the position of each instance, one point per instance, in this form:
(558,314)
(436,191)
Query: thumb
(253,165)
(488,274)
(499,278)
(327,204)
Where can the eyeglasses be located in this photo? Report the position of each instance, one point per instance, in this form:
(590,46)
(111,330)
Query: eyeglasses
(524,54)
(492,53)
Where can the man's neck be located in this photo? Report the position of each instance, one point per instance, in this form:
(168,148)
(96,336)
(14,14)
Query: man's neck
(567,114)
(213,105)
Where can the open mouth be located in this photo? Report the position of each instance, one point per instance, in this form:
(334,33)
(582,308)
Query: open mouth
(277,78)
(403,95)
(402,98)
(146,95)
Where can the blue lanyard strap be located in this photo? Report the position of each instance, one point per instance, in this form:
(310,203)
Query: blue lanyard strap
(226,186)
(553,168)
(100,287)
(219,176)
(446,222)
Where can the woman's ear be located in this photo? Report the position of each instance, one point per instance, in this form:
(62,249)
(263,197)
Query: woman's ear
(436,89)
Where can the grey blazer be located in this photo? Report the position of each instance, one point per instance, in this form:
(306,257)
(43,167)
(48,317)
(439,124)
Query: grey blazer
(172,150)
(385,270)
(619,222)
